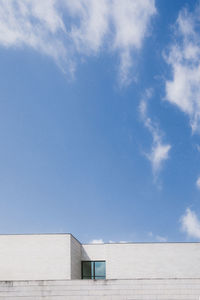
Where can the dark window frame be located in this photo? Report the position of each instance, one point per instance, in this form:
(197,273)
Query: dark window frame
(93,271)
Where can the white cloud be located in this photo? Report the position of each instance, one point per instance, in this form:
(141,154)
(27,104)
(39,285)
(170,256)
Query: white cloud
(119,242)
(198,147)
(190,224)
(198,183)
(159,151)
(97,241)
(183,89)
(89,33)
(63,29)
(101,241)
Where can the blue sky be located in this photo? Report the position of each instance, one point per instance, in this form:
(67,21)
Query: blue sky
(100,119)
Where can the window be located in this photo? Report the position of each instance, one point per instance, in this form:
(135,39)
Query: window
(93,269)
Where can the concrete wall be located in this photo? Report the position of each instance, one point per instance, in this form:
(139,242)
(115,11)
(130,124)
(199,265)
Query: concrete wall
(35,257)
(76,249)
(152,289)
(146,260)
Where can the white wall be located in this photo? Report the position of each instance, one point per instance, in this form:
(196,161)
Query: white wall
(58,257)
(35,257)
(146,260)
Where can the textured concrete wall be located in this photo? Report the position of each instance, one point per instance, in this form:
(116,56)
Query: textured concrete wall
(156,260)
(76,249)
(35,257)
(174,289)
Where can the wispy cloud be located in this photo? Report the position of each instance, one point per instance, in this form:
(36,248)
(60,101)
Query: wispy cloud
(101,241)
(159,151)
(190,224)
(161,239)
(64,29)
(157,238)
(131,20)
(36,24)
(97,241)
(198,183)
(183,89)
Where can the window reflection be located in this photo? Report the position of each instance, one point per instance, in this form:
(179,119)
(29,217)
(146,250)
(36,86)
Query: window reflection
(100,269)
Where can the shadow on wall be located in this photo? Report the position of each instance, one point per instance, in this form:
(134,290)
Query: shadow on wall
(85,255)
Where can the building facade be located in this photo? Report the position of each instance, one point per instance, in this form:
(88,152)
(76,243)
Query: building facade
(58,266)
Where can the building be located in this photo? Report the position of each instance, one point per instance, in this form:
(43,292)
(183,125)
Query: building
(59,267)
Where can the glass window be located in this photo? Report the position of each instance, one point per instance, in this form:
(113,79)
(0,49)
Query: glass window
(86,270)
(100,269)
(93,270)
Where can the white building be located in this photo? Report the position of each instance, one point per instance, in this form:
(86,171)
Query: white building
(59,267)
